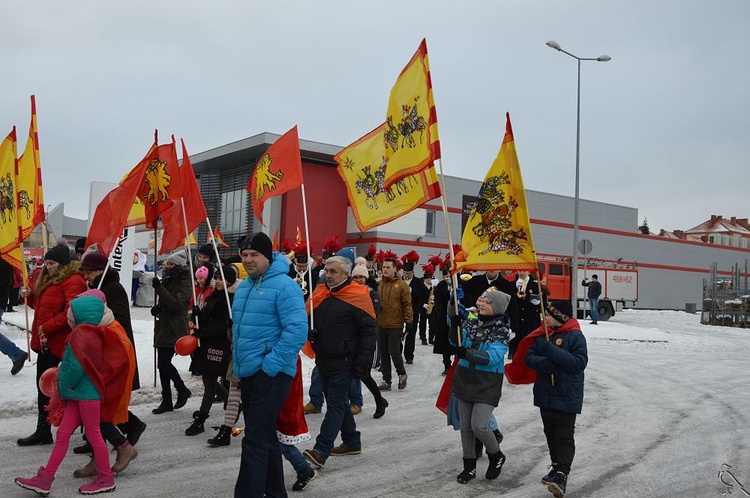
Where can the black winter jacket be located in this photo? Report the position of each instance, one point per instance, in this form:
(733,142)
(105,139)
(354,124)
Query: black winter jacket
(215,348)
(344,336)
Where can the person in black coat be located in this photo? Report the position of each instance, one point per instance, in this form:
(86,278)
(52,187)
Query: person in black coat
(212,356)
(442,295)
(528,300)
(419,293)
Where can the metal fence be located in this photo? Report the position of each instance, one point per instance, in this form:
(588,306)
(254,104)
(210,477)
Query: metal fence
(726,299)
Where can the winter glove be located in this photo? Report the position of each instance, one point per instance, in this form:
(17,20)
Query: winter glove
(460,292)
(454,321)
(156,282)
(155,310)
(229,323)
(312,335)
(461,352)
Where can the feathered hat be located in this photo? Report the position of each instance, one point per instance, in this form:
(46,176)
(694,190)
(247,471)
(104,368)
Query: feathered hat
(331,246)
(370,253)
(409,259)
(300,252)
(287,246)
(429,270)
(392,255)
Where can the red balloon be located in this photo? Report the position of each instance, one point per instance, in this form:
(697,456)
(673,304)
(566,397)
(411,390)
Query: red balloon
(48,382)
(186,345)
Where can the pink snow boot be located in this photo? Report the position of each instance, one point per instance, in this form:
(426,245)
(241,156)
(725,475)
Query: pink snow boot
(100,484)
(40,483)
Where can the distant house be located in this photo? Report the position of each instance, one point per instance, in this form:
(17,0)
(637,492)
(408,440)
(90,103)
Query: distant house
(732,232)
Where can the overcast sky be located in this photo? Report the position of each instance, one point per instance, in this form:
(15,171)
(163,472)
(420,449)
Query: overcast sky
(664,124)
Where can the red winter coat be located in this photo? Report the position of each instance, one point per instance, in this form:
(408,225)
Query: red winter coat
(50,300)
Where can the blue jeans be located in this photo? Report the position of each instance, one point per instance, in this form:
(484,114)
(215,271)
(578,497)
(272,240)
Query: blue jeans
(295,457)
(261,469)
(338,416)
(316,390)
(9,349)
(594,303)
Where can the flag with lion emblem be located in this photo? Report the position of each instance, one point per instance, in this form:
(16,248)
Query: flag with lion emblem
(150,181)
(411,129)
(362,167)
(498,232)
(278,170)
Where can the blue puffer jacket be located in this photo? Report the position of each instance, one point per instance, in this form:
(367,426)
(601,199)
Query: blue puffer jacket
(565,357)
(269,322)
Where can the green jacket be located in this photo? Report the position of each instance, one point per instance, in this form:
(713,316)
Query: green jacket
(72,382)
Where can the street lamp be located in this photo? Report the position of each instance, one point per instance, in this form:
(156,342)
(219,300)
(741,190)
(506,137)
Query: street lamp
(576,209)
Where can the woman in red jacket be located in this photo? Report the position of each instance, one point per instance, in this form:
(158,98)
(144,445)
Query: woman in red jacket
(58,283)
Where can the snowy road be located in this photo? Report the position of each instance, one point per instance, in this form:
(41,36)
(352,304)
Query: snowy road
(667,402)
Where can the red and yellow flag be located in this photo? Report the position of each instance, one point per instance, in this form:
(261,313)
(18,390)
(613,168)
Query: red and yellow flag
(175,218)
(10,244)
(498,232)
(218,237)
(411,129)
(362,166)
(29,195)
(276,172)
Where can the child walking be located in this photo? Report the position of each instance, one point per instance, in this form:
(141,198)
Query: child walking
(91,379)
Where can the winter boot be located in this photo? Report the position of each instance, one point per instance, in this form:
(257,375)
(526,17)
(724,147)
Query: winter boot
(100,484)
(496,465)
(380,407)
(557,484)
(126,453)
(197,426)
(135,434)
(469,472)
(551,474)
(41,483)
(42,435)
(87,471)
(183,393)
(304,478)
(402,381)
(84,449)
(166,403)
(222,438)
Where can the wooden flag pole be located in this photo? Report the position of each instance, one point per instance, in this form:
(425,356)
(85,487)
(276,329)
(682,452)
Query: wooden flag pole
(544,322)
(156,296)
(27,284)
(309,257)
(454,279)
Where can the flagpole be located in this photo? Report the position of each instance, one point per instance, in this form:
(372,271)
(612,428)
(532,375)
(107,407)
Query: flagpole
(454,279)
(309,257)
(27,284)
(156,275)
(101,280)
(216,251)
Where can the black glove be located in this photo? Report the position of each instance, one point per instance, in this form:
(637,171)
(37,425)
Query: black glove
(461,352)
(156,282)
(195,313)
(229,323)
(360,372)
(312,335)
(155,310)
(454,321)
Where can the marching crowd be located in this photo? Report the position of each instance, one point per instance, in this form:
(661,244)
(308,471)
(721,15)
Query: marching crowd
(244,322)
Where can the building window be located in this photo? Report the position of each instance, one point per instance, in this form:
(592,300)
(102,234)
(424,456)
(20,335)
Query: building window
(430,224)
(234,211)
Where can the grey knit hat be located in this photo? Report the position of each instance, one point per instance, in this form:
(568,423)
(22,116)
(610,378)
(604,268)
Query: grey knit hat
(498,300)
(178,259)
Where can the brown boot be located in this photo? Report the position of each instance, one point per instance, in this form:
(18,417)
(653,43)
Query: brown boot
(126,453)
(88,471)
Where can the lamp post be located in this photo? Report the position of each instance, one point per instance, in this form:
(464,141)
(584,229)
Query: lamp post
(576,208)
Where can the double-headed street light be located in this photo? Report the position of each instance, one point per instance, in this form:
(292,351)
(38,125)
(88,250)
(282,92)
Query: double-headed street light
(574,276)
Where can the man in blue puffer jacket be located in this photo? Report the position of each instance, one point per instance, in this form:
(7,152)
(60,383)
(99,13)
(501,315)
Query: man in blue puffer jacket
(269,329)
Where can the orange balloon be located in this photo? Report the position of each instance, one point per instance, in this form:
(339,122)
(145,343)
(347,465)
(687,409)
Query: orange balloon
(48,382)
(186,345)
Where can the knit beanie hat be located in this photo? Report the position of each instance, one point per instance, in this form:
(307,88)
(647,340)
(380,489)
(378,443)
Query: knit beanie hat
(348,253)
(96,293)
(205,272)
(360,271)
(562,311)
(498,300)
(230,276)
(261,243)
(59,253)
(86,309)
(94,261)
(207,250)
(178,259)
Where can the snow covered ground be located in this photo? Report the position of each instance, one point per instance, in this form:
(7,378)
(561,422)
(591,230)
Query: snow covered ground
(667,403)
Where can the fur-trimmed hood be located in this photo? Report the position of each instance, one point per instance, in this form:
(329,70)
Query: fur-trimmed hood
(45,279)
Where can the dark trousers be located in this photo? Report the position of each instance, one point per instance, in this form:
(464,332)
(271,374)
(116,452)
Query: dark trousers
(167,371)
(211,386)
(409,339)
(261,469)
(43,362)
(372,386)
(338,416)
(559,427)
(420,315)
(390,349)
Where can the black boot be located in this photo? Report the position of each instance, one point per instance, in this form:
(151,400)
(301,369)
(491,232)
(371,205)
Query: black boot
(557,484)
(380,406)
(222,438)
(469,472)
(496,465)
(197,426)
(183,393)
(166,403)
(43,435)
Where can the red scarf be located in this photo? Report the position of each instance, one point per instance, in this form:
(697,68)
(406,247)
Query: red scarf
(517,372)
